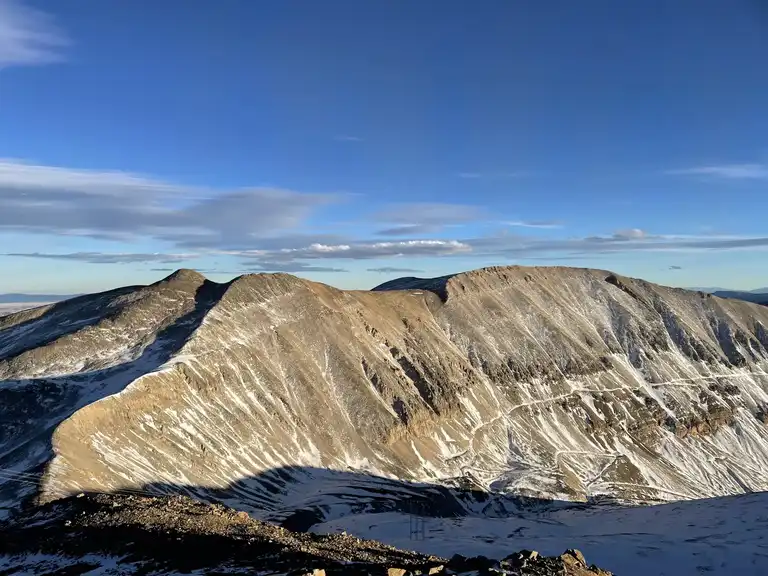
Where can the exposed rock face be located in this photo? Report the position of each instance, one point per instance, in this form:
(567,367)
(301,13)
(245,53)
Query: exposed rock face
(553,382)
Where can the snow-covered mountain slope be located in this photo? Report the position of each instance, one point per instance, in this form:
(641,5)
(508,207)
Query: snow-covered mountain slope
(727,535)
(558,382)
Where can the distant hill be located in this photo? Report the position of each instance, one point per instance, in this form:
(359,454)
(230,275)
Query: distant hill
(755,297)
(714,289)
(16,298)
(708,289)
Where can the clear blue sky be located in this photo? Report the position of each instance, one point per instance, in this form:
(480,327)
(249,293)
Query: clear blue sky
(351,142)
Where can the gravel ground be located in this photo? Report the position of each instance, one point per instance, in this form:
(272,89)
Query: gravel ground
(176,534)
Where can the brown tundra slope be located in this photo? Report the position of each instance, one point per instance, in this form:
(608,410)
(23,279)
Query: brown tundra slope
(554,382)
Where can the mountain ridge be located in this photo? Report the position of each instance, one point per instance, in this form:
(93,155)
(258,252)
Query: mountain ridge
(554,382)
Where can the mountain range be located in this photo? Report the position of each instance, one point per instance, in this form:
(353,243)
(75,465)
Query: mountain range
(483,394)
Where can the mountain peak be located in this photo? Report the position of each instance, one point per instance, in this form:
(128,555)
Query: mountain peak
(185,275)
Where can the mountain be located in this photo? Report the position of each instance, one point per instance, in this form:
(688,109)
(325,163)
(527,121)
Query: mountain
(498,393)
(547,382)
(714,289)
(754,296)
(709,289)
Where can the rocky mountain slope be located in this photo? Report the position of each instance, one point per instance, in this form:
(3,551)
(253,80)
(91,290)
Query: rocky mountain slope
(123,534)
(277,395)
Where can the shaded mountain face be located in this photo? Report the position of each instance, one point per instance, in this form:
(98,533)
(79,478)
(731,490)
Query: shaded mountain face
(548,382)
(756,296)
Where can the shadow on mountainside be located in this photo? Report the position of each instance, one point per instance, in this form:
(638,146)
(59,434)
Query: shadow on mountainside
(298,497)
(172,525)
(136,534)
(31,410)
(130,534)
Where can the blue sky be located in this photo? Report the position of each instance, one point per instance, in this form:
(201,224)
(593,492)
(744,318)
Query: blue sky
(353,142)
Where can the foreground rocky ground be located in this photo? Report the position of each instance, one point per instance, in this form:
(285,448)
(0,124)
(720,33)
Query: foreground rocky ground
(129,534)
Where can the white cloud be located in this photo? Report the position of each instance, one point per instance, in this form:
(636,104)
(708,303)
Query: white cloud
(361,251)
(348,138)
(727,171)
(28,36)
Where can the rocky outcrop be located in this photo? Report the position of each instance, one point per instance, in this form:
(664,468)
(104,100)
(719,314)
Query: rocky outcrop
(178,535)
(547,382)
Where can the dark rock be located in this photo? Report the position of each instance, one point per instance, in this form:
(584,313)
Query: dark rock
(459,563)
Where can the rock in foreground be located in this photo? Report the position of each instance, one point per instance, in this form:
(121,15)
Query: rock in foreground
(129,534)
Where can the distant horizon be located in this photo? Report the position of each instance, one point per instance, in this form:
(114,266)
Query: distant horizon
(352,142)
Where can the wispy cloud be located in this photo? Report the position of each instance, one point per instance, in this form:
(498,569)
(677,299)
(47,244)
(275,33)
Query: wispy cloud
(430,213)
(620,242)
(347,138)
(409,230)
(106,257)
(292,267)
(357,251)
(546,225)
(268,229)
(28,36)
(630,234)
(394,270)
(123,206)
(426,218)
(503,247)
(752,171)
(675,267)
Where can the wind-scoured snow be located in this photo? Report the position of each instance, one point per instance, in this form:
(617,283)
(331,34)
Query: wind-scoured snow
(727,535)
